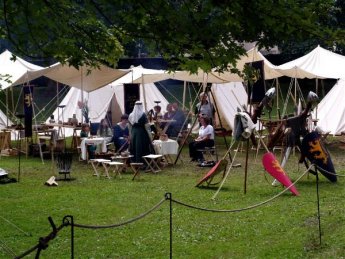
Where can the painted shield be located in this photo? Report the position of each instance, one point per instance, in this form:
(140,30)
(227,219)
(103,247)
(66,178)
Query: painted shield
(220,166)
(273,167)
(314,149)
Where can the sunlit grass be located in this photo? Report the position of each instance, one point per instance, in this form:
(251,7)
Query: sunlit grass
(286,227)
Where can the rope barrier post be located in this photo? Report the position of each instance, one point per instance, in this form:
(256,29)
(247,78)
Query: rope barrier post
(246,168)
(318,202)
(68,220)
(168,197)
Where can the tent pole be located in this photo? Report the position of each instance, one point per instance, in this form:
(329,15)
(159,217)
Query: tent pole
(57,93)
(82,92)
(144,93)
(7,112)
(277,90)
(12,97)
(184,95)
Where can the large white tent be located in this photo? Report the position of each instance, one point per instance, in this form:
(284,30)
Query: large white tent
(16,69)
(319,63)
(108,98)
(12,69)
(4,121)
(330,112)
(228,97)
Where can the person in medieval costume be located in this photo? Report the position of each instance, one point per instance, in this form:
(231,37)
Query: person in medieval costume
(140,137)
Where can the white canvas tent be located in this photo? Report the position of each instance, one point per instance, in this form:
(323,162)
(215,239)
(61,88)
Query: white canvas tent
(330,111)
(228,98)
(109,97)
(15,68)
(4,121)
(319,63)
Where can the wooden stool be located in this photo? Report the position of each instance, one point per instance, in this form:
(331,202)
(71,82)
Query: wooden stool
(95,163)
(151,160)
(136,169)
(108,164)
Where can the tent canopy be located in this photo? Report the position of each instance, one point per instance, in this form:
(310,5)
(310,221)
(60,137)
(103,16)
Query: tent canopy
(86,78)
(15,68)
(199,77)
(254,55)
(319,63)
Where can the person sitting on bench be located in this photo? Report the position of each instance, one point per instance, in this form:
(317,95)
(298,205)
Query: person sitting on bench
(121,134)
(205,139)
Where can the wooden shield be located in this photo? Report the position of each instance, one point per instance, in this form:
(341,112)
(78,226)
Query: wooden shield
(273,167)
(217,168)
(316,152)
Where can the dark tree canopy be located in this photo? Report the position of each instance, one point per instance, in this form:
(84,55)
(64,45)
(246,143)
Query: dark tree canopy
(188,34)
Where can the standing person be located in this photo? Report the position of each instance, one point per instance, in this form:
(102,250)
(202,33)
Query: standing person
(121,134)
(140,140)
(205,107)
(205,139)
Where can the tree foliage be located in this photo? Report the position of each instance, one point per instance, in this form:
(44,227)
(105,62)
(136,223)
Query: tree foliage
(331,17)
(188,34)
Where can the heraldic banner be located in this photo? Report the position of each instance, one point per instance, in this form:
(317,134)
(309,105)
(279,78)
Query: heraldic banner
(28,109)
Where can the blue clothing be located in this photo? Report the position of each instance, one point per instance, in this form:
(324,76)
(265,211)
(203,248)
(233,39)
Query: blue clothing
(120,137)
(177,125)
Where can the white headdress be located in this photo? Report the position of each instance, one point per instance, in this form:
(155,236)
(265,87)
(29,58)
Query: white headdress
(137,112)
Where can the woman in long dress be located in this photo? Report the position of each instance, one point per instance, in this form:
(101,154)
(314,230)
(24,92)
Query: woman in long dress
(140,141)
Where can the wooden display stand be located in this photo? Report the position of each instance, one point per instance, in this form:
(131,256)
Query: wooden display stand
(5,140)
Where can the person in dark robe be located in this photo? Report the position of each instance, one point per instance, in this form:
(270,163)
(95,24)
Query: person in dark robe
(121,134)
(140,138)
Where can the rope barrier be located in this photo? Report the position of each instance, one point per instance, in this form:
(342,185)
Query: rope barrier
(328,172)
(246,208)
(7,249)
(125,222)
(14,225)
(43,241)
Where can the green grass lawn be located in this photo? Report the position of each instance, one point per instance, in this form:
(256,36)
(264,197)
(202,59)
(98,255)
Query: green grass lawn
(286,227)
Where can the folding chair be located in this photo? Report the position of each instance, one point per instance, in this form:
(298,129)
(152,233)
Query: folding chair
(64,163)
(209,153)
